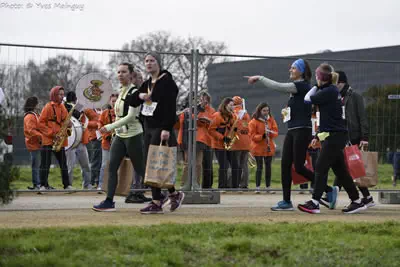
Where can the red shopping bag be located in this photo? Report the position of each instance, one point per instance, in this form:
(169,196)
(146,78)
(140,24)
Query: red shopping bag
(354,162)
(300,179)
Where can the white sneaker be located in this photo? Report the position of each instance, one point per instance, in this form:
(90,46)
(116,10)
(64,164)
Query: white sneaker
(89,187)
(257,190)
(41,189)
(270,192)
(69,188)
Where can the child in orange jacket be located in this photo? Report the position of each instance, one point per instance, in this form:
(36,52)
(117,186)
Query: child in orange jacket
(33,137)
(263,129)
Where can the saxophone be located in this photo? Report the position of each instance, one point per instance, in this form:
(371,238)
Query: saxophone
(64,131)
(232,135)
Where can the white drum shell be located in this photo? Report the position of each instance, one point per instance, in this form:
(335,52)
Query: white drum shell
(76,134)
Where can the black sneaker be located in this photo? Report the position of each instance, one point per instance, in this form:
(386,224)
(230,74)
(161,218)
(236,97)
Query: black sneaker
(368,201)
(309,207)
(152,208)
(324,202)
(354,207)
(134,198)
(176,200)
(144,198)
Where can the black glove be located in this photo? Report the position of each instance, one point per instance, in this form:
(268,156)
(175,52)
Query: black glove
(227,140)
(264,136)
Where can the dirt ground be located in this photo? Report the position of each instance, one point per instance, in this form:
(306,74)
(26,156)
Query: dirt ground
(73,210)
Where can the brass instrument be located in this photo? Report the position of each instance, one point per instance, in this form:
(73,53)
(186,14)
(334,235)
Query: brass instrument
(232,135)
(64,131)
(251,160)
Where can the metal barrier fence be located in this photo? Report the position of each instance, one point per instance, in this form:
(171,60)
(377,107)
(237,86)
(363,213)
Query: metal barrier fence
(27,70)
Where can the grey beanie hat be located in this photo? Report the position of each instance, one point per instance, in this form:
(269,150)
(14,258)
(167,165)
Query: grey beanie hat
(157,56)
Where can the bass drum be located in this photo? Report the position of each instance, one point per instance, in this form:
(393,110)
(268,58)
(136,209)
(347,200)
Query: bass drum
(76,134)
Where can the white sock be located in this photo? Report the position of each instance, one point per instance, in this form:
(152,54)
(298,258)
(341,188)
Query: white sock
(358,201)
(316,202)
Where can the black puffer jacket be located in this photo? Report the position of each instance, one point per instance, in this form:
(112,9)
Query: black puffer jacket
(164,93)
(356,117)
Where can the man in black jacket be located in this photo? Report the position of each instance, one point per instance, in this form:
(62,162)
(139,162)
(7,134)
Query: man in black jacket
(357,123)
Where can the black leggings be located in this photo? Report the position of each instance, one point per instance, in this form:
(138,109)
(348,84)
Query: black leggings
(152,136)
(332,156)
(294,151)
(45,163)
(226,158)
(260,160)
(120,147)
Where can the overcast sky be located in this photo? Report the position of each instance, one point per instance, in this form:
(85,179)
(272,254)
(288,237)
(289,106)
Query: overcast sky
(255,27)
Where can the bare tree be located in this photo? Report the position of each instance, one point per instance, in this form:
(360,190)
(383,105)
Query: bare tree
(61,70)
(179,65)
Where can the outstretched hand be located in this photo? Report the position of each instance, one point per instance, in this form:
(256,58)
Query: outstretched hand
(252,79)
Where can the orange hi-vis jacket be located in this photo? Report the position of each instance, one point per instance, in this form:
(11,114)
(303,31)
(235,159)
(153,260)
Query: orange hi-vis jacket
(203,134)
(31,131)
(219,128)
(51,119)
(243,132)
(106,117)
(259,145)
(93,123)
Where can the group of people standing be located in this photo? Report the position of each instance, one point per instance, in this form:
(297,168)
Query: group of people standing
(144,113)
(137,117)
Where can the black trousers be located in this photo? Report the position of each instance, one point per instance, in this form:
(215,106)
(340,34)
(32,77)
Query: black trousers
(120,147)
(314,153)
(226,158)
(207,164)
(267,161)
(294,151)
(152,136)
(332,156)
(364,190)
(45,163)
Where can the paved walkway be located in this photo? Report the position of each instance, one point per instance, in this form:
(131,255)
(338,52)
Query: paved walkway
(72,210)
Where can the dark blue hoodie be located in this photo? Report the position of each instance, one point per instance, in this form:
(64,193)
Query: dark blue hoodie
(330,105)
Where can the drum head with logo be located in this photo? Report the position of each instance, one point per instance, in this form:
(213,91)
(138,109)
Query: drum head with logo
(93,90)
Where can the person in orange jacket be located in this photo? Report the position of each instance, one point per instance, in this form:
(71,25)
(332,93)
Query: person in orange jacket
(106,117)
(94,145)
(263,129)
(80,152)
(203,136)
(33,137)
(202,141)
(51,119)
(221,128)
(242,146)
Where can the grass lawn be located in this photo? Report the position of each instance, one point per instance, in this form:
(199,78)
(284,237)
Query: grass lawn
(205,244)
(385,172)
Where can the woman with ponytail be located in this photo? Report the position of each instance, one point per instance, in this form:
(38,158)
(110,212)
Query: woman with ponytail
(297,114)
(332,134)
